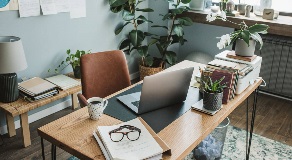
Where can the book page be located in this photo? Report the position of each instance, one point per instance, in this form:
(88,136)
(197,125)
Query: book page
(144,147)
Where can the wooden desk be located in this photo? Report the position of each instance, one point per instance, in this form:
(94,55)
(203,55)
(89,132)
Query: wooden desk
(73,132)
(21,108)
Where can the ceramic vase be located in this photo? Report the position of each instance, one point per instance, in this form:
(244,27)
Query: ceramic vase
(242,49)
(77,72)
(212,101)
(198,5)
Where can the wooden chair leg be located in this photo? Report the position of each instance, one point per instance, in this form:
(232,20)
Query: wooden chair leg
(25,129)
(10,125)
(74,101)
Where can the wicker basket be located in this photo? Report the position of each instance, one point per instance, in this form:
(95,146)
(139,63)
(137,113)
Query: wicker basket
(147,71)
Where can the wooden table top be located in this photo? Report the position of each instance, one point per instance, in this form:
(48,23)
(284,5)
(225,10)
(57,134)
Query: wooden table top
(73,132)
(22,106)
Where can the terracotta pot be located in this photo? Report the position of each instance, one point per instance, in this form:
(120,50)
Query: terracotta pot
(242,49)
(212,101)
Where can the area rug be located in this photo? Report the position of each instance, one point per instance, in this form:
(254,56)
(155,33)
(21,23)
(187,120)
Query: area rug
(261,148)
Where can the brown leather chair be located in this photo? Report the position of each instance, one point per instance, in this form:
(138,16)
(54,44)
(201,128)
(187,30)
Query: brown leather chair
(103,74)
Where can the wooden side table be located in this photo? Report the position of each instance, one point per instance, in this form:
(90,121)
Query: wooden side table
(22,107)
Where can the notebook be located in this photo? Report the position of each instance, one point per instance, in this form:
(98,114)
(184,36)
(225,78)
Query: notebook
(147,146)
(233,55)
(36,86)
(199,107)
(63,82)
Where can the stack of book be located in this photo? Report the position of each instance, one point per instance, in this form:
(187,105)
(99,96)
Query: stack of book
(36,89)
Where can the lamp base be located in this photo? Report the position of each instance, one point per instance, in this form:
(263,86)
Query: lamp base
(8,87)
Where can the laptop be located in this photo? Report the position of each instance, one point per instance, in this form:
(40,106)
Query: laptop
(159,90)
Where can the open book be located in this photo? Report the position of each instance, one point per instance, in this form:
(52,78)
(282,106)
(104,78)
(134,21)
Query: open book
(146,147)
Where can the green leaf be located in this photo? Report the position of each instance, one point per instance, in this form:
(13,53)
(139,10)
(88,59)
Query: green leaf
(127,16)
(119,30)
(245,35)
(257,38)
(159,48)
(159,26)
(186,21)
(171,57)
(149,34)
(68,51)
(258,28)
(177,10)
(145,10)
(136,37)
(185,1)
(125,43)
(116,9)
(143,51)
(153,41)
(115,3)
(149,61)
(178,30)
(166,16)
(143,19)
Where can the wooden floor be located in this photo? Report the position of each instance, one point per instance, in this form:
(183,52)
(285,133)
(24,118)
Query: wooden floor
(273,120)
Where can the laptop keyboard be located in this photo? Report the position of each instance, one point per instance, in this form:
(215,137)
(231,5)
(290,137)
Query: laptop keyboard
(136,103)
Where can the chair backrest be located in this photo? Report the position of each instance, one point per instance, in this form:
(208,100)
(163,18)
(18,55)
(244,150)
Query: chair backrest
(104,73)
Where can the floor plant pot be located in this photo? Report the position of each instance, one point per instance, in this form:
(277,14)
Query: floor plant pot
(148,71)
(77,72)
(242,49)
(212,101)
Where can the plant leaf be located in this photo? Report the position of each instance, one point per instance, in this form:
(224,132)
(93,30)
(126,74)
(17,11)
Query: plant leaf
(245,35)
(143,19)
(115,3)
(178,30)
(136,37)
(125,44)
(185,1)
(160,26)
(257,38)
(145,10)
(260,28)
(153,41)
(159,47)
(143,51)
(116,9)
(127,16)
(119,30)
(149,61)
(171,57)
(186,21)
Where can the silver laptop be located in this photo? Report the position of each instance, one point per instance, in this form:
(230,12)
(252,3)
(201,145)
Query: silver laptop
(159,90)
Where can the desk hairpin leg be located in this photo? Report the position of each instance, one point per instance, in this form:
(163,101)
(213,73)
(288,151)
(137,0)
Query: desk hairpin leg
(254,107)
(43,149)
(53,152)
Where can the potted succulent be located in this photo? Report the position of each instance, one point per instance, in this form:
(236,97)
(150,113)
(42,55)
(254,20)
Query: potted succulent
(135,40)
(72,59)
(245,38)
(213,93)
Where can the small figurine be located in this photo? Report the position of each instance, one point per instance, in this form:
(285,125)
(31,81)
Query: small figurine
(230,6)
(247,10)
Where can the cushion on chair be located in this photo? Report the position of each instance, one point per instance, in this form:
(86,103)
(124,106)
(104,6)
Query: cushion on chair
(104,73)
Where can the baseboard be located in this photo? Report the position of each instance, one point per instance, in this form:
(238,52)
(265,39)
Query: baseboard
(51,110)
(39,115)
(134,75)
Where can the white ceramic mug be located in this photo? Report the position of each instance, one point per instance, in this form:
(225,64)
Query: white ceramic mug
(96,105)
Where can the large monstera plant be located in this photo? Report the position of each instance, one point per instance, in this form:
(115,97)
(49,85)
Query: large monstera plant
(135,39)
(175,31)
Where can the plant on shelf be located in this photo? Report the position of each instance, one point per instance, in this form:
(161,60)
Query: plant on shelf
(175,31)
(72,59)
(135,39)
(245,37)
(213,93)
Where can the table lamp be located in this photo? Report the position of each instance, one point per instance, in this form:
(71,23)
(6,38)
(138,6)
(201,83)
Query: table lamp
(12,59)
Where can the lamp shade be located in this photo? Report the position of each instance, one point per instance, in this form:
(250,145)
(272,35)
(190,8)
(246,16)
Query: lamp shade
(12,57)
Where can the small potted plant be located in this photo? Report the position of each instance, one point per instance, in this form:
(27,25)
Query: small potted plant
(245,38)
(213,93)
(72,59)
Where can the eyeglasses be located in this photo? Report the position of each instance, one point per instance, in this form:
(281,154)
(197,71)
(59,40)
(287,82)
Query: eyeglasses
(132,135)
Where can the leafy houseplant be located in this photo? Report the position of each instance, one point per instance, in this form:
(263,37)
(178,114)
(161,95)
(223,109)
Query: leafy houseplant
(135,38)
(175,31)
(213,93)
(246,35)
(72,59)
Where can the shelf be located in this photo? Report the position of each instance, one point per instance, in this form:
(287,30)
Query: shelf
(281,26)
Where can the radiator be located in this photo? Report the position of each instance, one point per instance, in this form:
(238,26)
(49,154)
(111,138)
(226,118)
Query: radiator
(276,67)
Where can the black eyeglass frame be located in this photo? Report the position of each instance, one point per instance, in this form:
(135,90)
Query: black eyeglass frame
(131,128)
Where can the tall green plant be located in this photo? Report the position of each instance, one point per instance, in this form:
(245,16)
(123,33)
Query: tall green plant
(175,31)
(135,38)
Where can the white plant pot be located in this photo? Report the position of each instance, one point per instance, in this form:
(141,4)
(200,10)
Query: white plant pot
(198,5)
(242,49)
